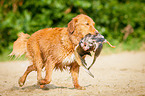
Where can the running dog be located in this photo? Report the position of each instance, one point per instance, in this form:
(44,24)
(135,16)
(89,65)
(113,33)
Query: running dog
(53,48)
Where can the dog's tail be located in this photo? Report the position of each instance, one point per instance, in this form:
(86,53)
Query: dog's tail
(20,45)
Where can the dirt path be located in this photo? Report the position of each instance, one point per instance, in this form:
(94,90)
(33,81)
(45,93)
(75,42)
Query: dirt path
(120,74)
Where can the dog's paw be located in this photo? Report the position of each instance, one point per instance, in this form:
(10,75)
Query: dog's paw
(21,82)
(42,86)
(44,81)
(80,88)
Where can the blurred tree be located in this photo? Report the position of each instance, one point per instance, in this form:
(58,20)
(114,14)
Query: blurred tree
(111,16)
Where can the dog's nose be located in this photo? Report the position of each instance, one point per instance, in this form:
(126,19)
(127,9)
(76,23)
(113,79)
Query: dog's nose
(96,32)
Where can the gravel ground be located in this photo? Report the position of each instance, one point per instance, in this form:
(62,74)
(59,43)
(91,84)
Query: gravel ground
(121,74)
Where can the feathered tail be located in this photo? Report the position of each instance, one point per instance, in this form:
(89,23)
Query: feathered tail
(20,45)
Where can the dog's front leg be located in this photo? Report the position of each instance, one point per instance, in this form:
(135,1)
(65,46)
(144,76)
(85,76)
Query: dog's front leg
(75,73)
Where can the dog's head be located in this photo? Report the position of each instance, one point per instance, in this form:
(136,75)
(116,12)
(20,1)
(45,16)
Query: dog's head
(80,26)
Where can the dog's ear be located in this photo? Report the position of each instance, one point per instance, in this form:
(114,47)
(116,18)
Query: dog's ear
(71,25)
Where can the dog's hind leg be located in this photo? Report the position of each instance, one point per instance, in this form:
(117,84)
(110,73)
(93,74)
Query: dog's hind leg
(38,65)
(23,78)
(49,66)
(35,53)
(75,72)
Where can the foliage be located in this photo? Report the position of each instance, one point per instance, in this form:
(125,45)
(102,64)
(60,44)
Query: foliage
(111,16)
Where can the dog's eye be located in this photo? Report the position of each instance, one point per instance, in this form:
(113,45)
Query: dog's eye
(87,23)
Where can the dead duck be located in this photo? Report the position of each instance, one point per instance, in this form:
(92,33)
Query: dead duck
(86,45)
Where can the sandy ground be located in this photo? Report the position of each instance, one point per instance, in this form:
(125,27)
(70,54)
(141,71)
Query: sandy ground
(121,74)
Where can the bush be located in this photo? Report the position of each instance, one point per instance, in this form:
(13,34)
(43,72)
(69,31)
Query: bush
(111,16)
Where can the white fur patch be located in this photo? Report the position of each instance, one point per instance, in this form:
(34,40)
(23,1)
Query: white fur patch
(69,59)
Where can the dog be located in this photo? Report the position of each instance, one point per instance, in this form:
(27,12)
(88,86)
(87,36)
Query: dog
(53,48)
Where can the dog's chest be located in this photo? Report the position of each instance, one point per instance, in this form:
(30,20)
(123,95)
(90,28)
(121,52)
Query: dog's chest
(68,59)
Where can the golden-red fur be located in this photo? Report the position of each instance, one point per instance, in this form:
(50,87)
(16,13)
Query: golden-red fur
(54,48)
